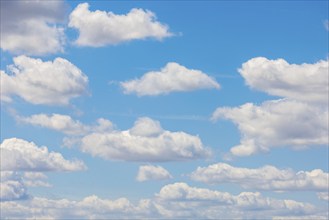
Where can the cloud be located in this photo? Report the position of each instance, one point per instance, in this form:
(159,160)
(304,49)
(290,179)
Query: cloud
(326,24)
(12,186)
(100,28)
(20,155)
(35,29)
(172,78)
(276,124)
(180,200)
(304,82)
(177,200)
(39,82)
(145,141)
(324,195)
(65,124)
(264,178)
(149,172)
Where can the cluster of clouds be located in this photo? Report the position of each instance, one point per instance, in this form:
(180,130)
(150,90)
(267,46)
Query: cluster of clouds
(298,120)
(146,141)
(23,164)
(177,200)
(263,178)
(43,29)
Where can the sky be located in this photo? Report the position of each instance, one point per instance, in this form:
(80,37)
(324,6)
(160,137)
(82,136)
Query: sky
(164,109)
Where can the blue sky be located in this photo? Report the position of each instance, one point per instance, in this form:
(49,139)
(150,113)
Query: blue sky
(187,109)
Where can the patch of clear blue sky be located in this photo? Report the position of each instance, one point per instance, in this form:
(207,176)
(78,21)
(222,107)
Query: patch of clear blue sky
(213,36)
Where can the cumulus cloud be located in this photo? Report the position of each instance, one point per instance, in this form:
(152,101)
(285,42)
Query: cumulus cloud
(145,141)
(21,155)
(65,124)
(35,29)
(172,78)
(149,172)
(12,186)
(264,178)
(100,28)
(182,201)
(304,82)
(39,82)
(276,123)
(177,200)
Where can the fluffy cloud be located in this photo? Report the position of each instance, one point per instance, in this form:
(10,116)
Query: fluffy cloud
(177,200)
(149,172)
(172,78)
(182,201)
(12,186)
(324,195)
(34,29)
(264,178)
(145,141)
(99,28)
(38,82)
(20,155)
(65,124)
(304,82)
(276,123)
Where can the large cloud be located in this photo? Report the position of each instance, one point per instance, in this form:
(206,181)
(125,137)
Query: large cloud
(172,78)
(304,82)
(177,200)
(38,82)
(264,178)
(20,155)
(65,124)
(276,123)
(145,141)
(99,28)
(31,27)
(149,172)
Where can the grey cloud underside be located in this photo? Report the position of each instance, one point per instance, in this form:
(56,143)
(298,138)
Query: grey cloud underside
(35,28)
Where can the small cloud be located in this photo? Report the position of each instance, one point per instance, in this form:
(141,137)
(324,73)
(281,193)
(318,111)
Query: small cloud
(171,78)
(149,172)
(326,24)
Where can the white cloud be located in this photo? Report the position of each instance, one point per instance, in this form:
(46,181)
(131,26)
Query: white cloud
(172,78)
(326,24)
(324,195)
(276,124)
(38,82)
(65,124)
(35,27)
(182,201)
(100,28)
(304,82)
(20,155)
(149,172)
(12,186)
(264,178)
(177,200)
(145,141)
